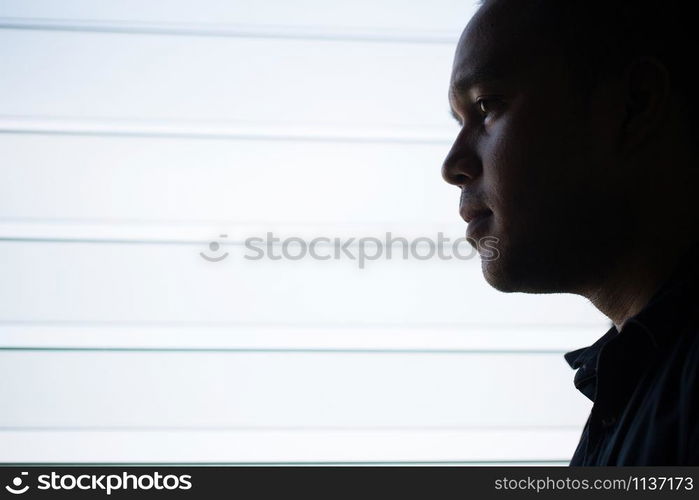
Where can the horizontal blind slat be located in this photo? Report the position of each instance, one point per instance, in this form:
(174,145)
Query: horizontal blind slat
(259,81)
(361,15)
(150,180)
(287,390)
(172,283)
(436,447)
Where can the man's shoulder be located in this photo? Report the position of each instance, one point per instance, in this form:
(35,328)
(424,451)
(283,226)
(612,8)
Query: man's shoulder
(689,346)
(685,358)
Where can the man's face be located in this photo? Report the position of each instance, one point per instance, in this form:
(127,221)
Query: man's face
(534,159)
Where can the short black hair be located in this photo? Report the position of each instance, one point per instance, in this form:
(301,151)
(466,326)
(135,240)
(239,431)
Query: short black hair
(600,37)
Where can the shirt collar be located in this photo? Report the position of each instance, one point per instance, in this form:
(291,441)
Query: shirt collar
(584,360)
(660,320)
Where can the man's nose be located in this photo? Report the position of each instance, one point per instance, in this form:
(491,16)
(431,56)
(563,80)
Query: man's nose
(462,165)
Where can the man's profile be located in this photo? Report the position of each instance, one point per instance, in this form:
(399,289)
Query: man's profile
(577,151)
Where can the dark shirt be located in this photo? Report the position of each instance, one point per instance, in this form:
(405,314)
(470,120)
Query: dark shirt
(644,381)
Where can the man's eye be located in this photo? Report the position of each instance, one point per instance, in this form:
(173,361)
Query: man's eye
(487,107)
(484,106)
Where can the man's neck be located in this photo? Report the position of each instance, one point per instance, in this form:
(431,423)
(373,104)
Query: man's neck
(631,285)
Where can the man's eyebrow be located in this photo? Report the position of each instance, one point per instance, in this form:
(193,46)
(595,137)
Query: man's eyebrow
(464,81)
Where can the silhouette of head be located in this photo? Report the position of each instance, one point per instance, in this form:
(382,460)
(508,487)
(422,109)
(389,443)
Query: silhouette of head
(577,143)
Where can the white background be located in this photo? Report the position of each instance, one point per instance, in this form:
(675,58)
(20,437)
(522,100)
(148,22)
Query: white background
(134,133)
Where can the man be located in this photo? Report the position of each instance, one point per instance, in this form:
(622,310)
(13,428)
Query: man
(577,153)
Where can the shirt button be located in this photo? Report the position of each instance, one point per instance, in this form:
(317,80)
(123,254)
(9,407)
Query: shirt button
(608,421)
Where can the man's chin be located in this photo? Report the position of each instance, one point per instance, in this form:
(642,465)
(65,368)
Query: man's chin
(509,276)
(496,277)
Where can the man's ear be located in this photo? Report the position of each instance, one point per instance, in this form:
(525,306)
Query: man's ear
(648,93)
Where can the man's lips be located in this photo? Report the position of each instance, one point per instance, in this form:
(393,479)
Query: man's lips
(471,213)
(478,219)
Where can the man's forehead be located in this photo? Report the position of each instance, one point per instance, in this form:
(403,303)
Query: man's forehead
(483,47)
(493,46)
(476,64)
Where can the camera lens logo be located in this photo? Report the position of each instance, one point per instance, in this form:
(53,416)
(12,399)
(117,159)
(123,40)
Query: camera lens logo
(16,489)
(214,247)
